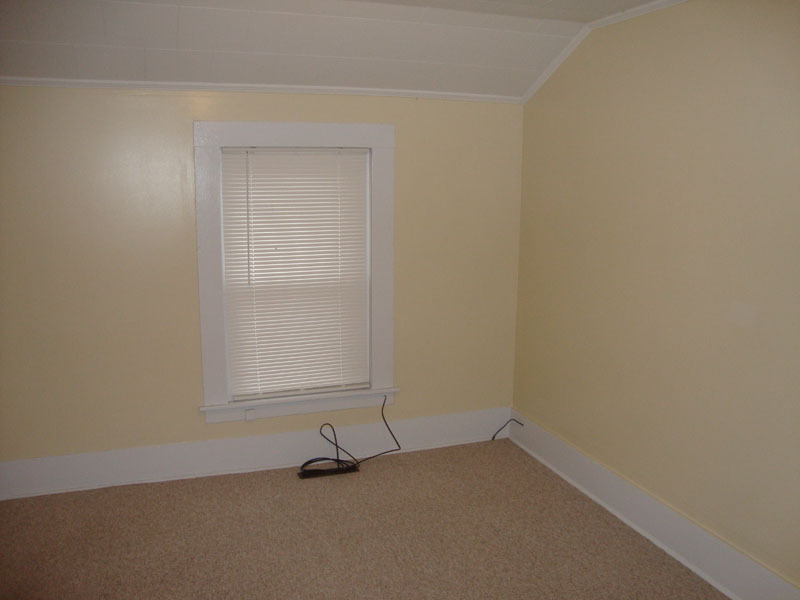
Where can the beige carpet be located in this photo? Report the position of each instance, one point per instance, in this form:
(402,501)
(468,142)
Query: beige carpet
(476,521)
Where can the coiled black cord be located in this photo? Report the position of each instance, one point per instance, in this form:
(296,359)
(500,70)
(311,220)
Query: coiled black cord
(344,465)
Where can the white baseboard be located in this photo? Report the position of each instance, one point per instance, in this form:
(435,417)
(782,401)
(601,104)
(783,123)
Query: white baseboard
(724,567)
(730,571)
(50,475)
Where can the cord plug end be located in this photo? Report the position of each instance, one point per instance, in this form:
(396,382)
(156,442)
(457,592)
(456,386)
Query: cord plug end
(338,470)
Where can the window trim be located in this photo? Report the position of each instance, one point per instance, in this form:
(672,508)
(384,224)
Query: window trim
(209,138)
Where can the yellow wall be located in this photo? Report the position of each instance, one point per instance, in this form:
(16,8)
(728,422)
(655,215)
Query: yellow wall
(99,326)
(659,292)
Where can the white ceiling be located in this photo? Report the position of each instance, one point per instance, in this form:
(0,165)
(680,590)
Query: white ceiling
(472,49)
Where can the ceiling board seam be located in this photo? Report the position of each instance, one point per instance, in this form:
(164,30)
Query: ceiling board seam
(419,21)
(70,47)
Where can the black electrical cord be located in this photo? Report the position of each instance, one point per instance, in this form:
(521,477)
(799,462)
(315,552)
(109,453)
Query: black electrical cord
(343,465)
(504,425)
(389,429)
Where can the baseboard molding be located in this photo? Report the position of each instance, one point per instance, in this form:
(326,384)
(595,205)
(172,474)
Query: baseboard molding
(54,474)
(724,567)
(727,569)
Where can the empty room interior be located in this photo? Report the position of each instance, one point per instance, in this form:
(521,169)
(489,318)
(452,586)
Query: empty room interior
(573,225)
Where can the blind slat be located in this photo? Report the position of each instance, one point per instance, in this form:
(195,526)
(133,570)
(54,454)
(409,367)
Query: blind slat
(296,268)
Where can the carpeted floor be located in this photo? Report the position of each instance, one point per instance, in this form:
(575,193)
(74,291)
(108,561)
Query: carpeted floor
(476,521)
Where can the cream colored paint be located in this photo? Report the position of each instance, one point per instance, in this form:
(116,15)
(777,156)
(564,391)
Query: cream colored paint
(99,325)
(659,291)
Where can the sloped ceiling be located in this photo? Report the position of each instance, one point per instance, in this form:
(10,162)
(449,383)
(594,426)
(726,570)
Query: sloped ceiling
(471,49)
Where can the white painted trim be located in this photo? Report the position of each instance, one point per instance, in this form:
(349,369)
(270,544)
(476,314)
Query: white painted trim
(50,475)
(303,404)
(556,62)
(586,30)
(636,11)
(727,569)
(262,88)
(209,139)
(733,573)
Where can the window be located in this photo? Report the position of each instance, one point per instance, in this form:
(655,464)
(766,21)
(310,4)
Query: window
(295,225)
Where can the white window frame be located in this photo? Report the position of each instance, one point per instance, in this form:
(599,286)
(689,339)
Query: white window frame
(209,139)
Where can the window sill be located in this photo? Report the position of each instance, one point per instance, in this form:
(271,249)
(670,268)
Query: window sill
(312,403)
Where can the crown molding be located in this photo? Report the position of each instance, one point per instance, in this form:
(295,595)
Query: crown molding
(556,62)
(265,88)
(586,30)
(633,12)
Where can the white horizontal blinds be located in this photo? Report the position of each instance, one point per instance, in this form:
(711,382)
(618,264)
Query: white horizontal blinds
(296,269)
